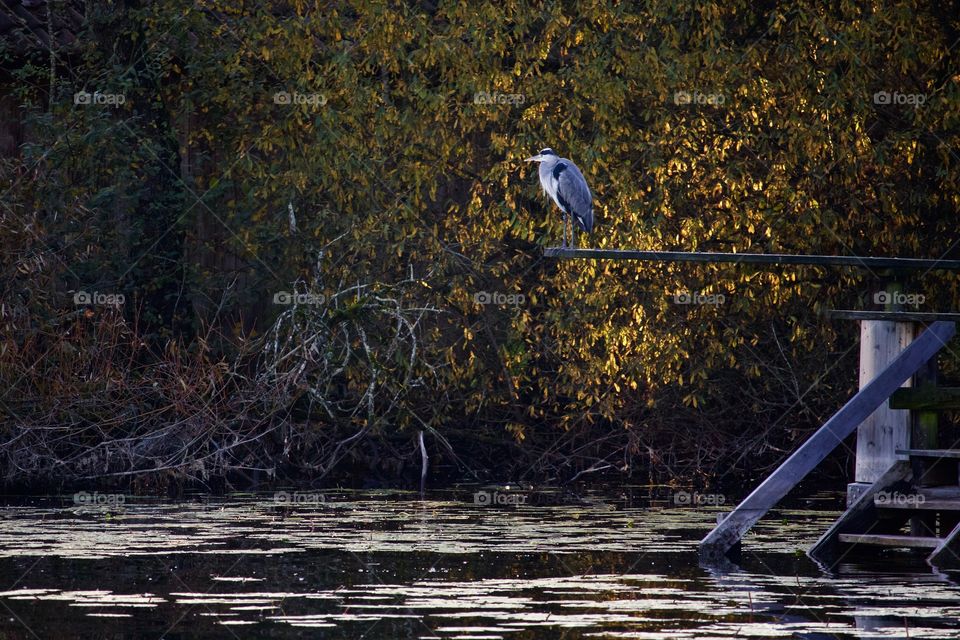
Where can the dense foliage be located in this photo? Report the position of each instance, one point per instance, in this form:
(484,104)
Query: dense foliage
(370,154)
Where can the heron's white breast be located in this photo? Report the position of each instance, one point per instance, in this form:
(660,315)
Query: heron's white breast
(548,181)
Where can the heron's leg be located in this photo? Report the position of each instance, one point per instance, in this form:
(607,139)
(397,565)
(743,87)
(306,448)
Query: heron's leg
(573,231)
(564,218)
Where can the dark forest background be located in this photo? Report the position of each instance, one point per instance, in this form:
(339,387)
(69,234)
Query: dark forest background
(248,241)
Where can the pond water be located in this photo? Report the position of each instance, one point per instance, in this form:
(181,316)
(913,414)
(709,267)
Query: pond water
(377,565)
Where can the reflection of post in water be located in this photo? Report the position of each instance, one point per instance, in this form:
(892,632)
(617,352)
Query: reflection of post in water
(862,588)
(848,599)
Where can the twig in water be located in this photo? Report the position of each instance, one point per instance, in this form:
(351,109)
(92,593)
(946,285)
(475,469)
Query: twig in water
(423,464)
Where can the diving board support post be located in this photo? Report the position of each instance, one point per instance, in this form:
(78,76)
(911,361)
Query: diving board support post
(726,535)
(885,430)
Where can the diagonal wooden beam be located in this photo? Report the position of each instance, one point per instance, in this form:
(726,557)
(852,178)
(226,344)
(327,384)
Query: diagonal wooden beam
(947,555)
(820,444)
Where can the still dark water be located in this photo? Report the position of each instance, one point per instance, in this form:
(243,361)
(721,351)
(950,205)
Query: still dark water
(377,565)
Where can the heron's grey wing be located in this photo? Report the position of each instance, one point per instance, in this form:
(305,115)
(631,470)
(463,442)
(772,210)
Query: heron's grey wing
(574,194)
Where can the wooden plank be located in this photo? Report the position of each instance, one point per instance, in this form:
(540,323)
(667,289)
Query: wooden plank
(941,493)
(935,398)
(726,534)
(862,514)
(885,430)
(889,540)
(927,505)
(754,258)
(895,316)
(947,556)
(925,499)
(930,453)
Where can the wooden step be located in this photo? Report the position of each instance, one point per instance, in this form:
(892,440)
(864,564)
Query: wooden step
(890,540)
(945,498)
(929,453)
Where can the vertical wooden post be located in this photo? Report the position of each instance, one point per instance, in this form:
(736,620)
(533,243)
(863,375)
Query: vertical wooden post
(886,430)
(925,424)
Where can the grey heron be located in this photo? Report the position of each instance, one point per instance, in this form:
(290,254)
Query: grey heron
(563,182)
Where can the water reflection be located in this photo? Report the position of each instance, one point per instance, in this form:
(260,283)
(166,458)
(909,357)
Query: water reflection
(387,566)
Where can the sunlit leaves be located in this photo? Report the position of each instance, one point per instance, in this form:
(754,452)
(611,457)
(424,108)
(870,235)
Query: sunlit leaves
(780,145)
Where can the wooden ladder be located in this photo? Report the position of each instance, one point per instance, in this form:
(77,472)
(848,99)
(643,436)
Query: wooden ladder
(898,501)
(725,538)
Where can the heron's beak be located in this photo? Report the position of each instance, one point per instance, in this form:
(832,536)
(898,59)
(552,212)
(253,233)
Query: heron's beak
(533,159)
